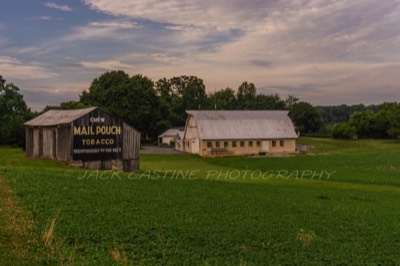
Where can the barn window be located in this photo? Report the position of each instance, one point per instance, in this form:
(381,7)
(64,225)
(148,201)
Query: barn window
(242,144)
(258,143)
(209,144)
(234,144)
(217,144)
(282,143)
(274,143)
(225,144)
(250,144)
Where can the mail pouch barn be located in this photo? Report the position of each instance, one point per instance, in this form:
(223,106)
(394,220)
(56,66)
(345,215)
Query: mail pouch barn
(89,135)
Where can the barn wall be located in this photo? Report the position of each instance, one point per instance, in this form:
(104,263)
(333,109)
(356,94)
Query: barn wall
(192,141)
(35,142)
(64,143)
(131,143)
(49,140)
(131,149)
(289,146)
(166,140)
(29,142)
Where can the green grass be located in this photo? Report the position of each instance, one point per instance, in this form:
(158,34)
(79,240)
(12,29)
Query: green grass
(158,217)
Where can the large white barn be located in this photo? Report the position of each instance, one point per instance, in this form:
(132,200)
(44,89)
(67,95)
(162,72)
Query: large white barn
(230,133)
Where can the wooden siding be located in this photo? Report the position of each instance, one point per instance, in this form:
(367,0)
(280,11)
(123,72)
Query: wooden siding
(29,142)
(49,142)
(131,143)
(130,149)
(35,148)
(64,143)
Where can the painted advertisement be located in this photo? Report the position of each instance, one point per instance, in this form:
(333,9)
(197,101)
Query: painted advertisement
(97,137)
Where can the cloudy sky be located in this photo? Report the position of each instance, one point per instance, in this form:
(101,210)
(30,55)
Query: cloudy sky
(323,51)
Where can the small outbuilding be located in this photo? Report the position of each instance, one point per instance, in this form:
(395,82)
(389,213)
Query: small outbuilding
(232,133)
(170,136)
(88,135)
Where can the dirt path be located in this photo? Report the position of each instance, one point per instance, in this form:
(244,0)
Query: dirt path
(16,239)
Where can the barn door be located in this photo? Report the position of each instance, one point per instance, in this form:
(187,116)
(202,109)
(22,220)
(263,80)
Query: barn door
(265,146)
(195,146)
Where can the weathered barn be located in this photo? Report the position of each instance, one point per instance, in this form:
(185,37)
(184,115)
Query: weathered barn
(89,135)
(170,135)
(229,133)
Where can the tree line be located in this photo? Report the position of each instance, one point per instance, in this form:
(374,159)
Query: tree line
(370,122)
(152,107)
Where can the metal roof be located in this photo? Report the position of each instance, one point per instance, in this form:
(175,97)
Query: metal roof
(221,125)
(172,132)
(58,117)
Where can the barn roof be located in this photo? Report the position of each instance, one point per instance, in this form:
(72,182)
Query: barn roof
(220,125)
(58,117)
(172,132)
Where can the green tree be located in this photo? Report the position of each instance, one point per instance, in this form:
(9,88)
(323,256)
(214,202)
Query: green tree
(269,102)
(338,114)
(290,100)
(305,117)
(363,122)
(13,113)
(222,100)
(377,121)
(394,122)
(65,106)
(132,99)
(343,131)
(246,96)
(180,94)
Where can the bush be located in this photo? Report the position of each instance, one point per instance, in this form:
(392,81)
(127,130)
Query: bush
(344,131)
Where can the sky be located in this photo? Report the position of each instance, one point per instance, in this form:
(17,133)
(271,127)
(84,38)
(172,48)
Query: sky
(326,52)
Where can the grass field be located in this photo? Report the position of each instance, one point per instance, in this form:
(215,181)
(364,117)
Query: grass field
(338,205)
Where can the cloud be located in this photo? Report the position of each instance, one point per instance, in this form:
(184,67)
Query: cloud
(46,18)
(105,65)
(37,97)
(115,24)
(207,13)
(101,30)
(320,50)
(261,63)
(167,59)
(280,31)
(14,68)
(59,7)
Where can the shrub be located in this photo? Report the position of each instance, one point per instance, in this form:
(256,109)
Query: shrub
(344,131)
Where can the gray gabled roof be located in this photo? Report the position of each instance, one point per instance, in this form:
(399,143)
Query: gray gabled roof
(221,125)
(58,117)
(172,132)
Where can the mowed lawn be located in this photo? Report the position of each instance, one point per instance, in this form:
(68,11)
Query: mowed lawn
(340,204)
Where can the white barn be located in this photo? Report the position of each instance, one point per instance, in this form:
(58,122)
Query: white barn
(170,136)
(231,133)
